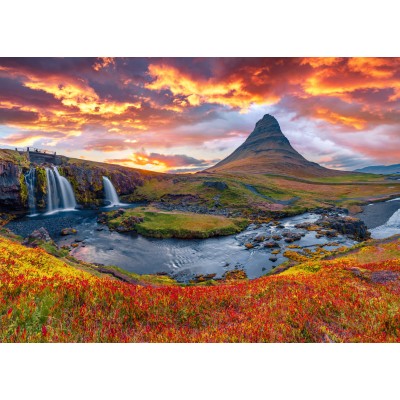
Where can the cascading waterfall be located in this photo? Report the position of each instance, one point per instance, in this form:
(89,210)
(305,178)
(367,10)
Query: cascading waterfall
(110,193)
(30,180)
(391,227)
(60,195)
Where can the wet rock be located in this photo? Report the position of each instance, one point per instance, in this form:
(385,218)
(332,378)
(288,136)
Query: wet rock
(249,245)
(271,244)
(68,231)
(292,237)
(273,258)
(277,237)
(74,245)
(259,238)
(329,233)
(235,274)
(349,226)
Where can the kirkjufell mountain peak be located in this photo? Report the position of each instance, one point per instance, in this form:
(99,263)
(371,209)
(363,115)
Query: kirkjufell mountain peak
(267,150)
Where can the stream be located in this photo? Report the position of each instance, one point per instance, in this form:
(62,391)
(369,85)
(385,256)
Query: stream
(183,259)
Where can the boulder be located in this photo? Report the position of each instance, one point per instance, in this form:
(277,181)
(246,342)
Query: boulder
(68,231)
(349,226)
(38,237)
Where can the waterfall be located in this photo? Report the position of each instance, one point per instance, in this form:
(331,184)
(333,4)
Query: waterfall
(30,180)
(391,227)
(67,194)
(110,193)
(60,195)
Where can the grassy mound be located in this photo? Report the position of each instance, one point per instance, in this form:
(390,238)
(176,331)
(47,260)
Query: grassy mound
(163,224)
(350,299)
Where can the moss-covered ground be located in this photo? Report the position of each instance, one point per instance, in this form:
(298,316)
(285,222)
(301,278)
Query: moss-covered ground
(149,221)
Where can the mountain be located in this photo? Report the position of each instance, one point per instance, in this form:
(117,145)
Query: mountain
(381,169)
(268,151)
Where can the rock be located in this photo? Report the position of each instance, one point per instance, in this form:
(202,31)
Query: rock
(271,244)
(273,258)
(235,274)
(37,236)
(10,186)
(68,231)
(259,238)
(74,245)
(276,237)
(216,185)
(349,226)
(292,237)
(249,245)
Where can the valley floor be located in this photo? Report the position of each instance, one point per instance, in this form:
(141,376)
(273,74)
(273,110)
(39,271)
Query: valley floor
(352,298)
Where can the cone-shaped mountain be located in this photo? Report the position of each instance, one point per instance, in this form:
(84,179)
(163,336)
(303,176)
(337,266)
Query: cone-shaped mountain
(267,150)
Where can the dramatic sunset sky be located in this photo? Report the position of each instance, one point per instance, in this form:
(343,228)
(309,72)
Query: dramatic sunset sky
(185,114)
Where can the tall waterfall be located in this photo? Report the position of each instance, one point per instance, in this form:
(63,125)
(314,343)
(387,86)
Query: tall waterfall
(60,195)
(30,180)
(110,193)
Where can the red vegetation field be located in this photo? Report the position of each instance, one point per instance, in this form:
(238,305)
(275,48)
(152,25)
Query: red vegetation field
(350,299)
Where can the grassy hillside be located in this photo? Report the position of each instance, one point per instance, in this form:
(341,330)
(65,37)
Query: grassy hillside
(354,298)
(250,193)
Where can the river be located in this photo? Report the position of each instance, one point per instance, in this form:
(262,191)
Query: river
(180,258)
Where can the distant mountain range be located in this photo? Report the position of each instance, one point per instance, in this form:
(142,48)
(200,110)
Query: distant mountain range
(268,151)
(381,169)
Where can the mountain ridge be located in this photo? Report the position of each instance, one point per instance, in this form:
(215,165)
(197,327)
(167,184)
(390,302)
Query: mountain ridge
(268,150)
(380,169)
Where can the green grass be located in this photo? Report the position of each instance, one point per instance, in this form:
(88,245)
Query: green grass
(162,224)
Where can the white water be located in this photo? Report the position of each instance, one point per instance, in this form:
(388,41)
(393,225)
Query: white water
(60,196)
(110,193)
(30,180)
(390,228)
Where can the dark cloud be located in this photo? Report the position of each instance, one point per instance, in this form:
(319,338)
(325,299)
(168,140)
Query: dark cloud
(13,116)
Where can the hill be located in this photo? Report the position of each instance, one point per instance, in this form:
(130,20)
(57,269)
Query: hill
(381,169)
(268,151)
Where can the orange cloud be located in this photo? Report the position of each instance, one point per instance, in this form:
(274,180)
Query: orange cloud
(162,162)
(197,91)
(353,74)
(103,62)
(335,118)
